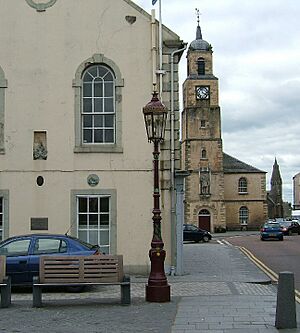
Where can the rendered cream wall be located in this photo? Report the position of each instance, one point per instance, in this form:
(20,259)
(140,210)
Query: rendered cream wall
(41,54)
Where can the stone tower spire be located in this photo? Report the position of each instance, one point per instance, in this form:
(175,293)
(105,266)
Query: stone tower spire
(276,191)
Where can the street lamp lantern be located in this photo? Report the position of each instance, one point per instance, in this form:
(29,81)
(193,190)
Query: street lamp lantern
(155,115)
(157,289)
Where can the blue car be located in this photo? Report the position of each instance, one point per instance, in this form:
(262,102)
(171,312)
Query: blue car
(271,230)
(23,253)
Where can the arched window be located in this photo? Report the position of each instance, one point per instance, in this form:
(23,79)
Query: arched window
(244,215)
(201,66)
(98,105)
(203,153)
(243,185)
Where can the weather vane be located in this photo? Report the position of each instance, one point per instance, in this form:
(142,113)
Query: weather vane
(198,15)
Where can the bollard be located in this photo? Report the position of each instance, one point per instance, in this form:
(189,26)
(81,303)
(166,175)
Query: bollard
(286,306)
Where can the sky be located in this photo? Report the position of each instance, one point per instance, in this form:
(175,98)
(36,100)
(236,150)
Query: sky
(256,45)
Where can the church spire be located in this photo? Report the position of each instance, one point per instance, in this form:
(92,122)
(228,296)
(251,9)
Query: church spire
(198,32)
(276,177)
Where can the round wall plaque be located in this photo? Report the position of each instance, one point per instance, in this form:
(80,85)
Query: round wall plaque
(41,6)
(93,180)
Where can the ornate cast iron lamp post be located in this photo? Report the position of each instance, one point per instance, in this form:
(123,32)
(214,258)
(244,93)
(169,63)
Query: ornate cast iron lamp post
(157,289)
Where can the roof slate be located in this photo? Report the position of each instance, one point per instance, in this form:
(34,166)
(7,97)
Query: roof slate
(233,165)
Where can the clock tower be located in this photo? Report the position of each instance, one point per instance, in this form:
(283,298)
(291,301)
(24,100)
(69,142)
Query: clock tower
(202,153)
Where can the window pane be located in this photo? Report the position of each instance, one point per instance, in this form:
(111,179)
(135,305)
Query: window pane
(87,105)
(87,77)
(102,71)
(104,220)
(82,220)
(87,89)
(108,77)
(1,220)
(17,248)
(104,204)
(104,237)
(82,234)
(82,204)
(93,205)
(109,135)
(1,205)
(98,89)
(98,102)
(47,245)
(108,105)
(109,121)
(98,136)
(108,89)
(93,221)
(93,237)
(87,135)
(98,121)
(87,121)
(92,71)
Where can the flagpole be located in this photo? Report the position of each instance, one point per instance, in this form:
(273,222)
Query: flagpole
(160,51)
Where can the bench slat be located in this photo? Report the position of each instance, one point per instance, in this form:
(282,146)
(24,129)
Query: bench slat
(96,268)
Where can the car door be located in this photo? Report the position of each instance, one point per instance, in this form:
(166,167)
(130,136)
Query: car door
(45,245)
(17,258)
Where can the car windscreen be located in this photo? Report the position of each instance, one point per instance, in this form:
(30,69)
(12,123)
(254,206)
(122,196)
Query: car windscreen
(272,225)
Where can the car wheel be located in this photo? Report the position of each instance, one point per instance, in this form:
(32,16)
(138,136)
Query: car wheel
(290,233)
(196,241)
(205,239)
(261,238)
(281,239)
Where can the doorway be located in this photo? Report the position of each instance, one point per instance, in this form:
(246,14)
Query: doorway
(204,219)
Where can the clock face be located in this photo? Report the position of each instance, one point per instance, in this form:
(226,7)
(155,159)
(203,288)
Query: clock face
(202,92)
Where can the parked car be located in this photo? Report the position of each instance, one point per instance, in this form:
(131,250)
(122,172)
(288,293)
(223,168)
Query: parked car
(195,234)
(23,253)
(290,227)
(271,230)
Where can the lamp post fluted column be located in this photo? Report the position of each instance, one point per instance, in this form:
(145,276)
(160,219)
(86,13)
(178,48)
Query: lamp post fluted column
(157,289)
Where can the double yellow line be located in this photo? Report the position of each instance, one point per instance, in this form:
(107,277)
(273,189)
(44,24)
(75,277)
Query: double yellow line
(272,275)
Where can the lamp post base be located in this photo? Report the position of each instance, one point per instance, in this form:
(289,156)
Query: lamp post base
(158,294)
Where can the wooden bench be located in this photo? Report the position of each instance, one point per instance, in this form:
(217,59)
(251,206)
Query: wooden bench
(5,284)
(71,271)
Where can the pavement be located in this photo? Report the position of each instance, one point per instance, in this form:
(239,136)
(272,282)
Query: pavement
(221,291)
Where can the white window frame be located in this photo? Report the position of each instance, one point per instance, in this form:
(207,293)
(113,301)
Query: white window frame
(243,185)
(104,248)
(243,215)
(90,78)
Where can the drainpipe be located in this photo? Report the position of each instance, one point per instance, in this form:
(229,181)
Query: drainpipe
(173,197)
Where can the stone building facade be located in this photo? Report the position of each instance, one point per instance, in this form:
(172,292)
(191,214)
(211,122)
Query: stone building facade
(221,192)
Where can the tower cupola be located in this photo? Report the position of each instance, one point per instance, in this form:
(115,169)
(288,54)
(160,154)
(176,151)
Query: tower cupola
(199,44)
